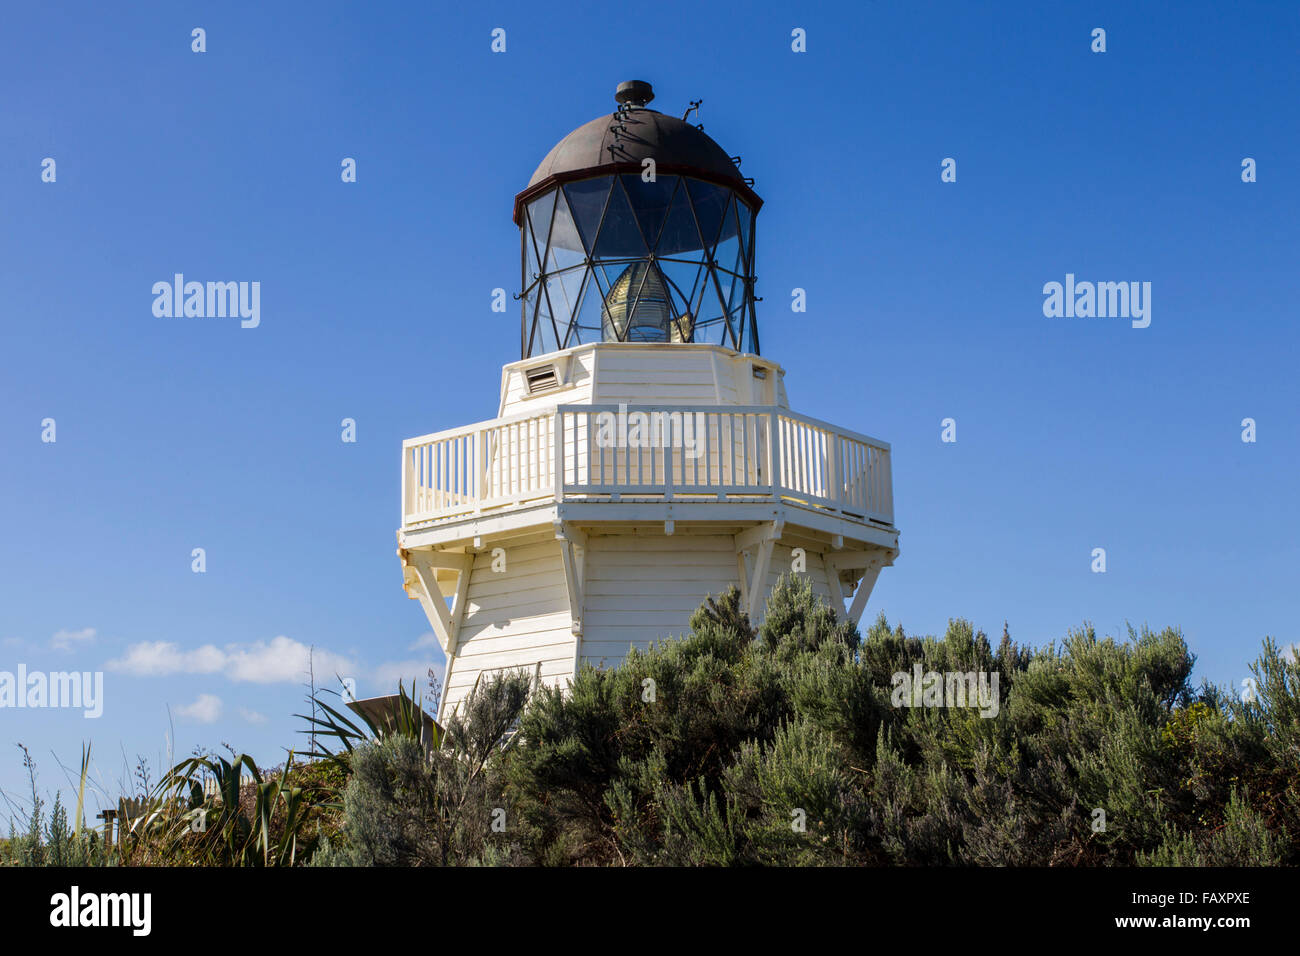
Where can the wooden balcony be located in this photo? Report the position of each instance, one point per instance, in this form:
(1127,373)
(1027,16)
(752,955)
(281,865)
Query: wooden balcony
(642,452)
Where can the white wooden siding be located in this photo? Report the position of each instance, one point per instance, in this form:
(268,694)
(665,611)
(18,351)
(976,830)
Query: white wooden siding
(516,618)
(516,400)
(658,375)
(640,589)
(644,588)
(783,556)
(662,375)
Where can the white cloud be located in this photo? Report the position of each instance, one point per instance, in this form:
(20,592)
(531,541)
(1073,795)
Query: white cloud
(205,710)
(388,674)
(281,660)
(284,659)
(160,658)
(66,640)
(427,639)
(252,716)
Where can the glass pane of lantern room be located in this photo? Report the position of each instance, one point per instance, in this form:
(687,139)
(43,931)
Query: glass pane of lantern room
(587,200)
(539,219)
(530,315)
(566,249)
(544,337)
(710,203)
(683,281)
(704,301)
(587,322)
(650,203)
(620,236)
(563,289)
(713,304)
(608,273)
(532,265)
(679,237)
(733,287)
(746,218)
(728,253)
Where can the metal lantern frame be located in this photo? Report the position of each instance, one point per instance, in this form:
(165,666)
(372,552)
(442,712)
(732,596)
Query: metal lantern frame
(572,255)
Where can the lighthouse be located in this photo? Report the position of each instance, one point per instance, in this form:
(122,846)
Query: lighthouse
(644,454)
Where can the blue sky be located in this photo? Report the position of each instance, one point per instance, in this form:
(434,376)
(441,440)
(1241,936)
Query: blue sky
(924,302)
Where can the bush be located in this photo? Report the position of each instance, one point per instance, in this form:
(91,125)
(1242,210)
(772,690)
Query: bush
(791,744)
(409,805)
(786,747)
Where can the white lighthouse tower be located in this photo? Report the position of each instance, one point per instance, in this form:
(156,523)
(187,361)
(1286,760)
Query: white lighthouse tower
(644,455)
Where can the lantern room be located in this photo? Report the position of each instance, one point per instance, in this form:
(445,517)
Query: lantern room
(637,227)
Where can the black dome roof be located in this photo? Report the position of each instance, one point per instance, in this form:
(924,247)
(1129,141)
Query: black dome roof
(668,140)
(619,141)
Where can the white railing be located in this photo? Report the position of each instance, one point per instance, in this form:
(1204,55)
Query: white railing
(611,451)
(478,467)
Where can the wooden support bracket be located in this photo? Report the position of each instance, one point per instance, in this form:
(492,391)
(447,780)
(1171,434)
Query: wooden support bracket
(869,563)
(760,539)
(573,550)
(420,573)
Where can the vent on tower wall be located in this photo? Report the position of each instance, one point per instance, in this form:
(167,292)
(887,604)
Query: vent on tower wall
(542,378)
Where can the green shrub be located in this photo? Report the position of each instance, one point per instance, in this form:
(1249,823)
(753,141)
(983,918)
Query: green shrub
(784,745)
(406,804)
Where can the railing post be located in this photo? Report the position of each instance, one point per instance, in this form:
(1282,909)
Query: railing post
(481,469)
(406,485)
(559,455)
(773,450)
(889,485)
(834,468)
(669,463)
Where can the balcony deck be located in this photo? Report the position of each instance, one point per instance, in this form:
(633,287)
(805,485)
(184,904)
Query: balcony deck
(592,453)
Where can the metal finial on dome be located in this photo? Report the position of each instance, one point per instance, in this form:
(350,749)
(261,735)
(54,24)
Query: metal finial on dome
(634,93)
